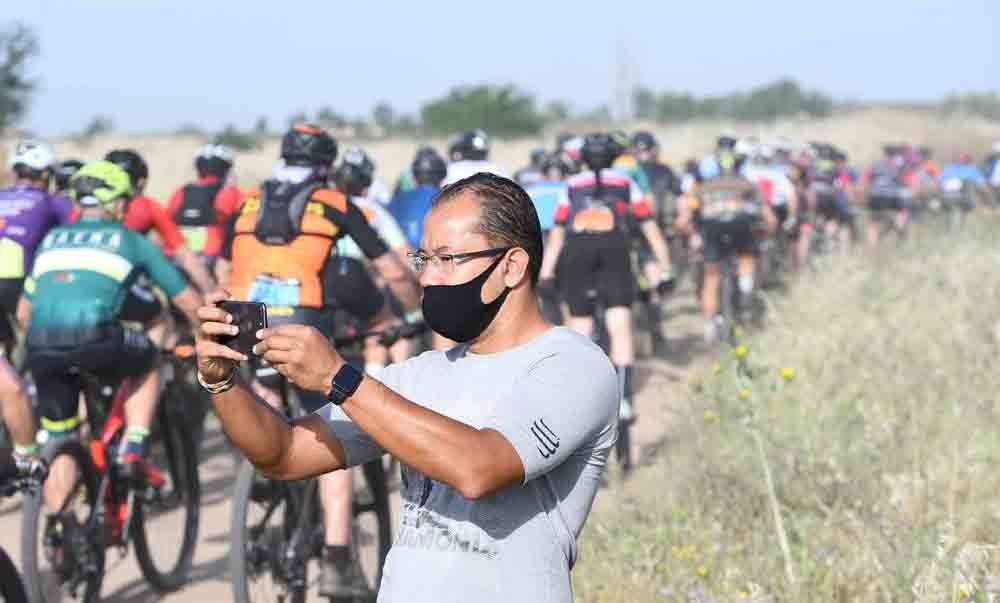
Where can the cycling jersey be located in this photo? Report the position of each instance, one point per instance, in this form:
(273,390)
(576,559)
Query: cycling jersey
(144,214)
(279,255)
(379,193)
(626,164)
(410,208)
(528,176)
(583,210)
(384,224)
(457,170)
(547,195)
(957,178)
(729,199)
(201,210)
(84,272)
(775,187)
(405,183)
(26,214)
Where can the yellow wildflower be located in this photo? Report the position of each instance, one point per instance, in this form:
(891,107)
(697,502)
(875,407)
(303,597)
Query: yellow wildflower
(787,373)
(702,571)
(716,369)
(741,351)
(711,416)
(744,393)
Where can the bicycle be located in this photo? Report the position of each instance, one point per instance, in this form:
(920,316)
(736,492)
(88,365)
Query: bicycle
(12,588)
(66,551)
(280,553)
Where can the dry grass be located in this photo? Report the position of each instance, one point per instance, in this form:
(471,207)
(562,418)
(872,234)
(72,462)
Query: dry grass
(874,393)
(860,132)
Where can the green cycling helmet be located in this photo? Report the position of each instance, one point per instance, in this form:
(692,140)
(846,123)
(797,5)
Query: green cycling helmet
(100,183)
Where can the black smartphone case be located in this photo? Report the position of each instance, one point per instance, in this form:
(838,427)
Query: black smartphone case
(250,317)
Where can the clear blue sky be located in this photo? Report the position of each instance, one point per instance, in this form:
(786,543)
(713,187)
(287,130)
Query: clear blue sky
(154,65)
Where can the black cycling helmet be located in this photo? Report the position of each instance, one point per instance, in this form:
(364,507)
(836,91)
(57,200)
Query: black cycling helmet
(63,171)
(308,144)
(599,151)
(560,162)
(130,161)
(644,140)
(429,168)
(474,145)
(355,172)
(725,142)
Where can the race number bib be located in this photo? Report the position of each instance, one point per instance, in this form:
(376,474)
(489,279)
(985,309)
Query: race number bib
(594,219)
(195,237)
(275,291)
(11,259)
(952,185)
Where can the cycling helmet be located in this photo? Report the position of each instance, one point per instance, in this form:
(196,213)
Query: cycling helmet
(130,161)
(621,138)
(729,161)
(429,168)
(214,160)
(644,141)
(308,144)
(355,172)
(725,142)
(36,155)
(474,144)
(64,171)
(100,184)
(745,147)
(559,162)
(599,151)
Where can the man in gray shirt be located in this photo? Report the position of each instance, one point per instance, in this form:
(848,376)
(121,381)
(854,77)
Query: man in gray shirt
(503,439)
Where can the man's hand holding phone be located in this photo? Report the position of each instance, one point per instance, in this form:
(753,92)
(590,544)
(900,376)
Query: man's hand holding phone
(216,359)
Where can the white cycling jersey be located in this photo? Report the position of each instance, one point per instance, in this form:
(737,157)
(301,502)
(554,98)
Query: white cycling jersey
(780,184)
(458,170)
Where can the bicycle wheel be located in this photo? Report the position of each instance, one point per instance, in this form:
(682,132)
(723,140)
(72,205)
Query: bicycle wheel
(371,530)
(11,587)
(263,520)
(61,554)
(170,513)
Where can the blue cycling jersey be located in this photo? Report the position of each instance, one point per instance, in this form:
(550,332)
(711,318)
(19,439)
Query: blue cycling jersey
(546,195)
(966,172)
(410,208)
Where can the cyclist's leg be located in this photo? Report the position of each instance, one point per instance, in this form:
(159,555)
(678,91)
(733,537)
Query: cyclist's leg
(616,288)
(131,354)
(576,265)
(713,253)
(16,409)
(58,394)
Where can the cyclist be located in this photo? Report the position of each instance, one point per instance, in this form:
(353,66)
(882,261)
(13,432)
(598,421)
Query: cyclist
(144,214)
(546,195)
(886,185)
(62,172)
(280,249)
(405,183)
(532,173)
(469,154)
(729,206)
(590,240)
(71,307)
(828,184)
(27,212)
(776,190)
(991,169)
(203,208)
(962,183)
(410,207)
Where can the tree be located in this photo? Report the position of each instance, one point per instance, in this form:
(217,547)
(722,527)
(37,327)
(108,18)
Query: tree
(502,110)
(261,127)
(329,118)
(231,136)
(384,116)
(99,125)
(18,45)
(557,110)
(297,118)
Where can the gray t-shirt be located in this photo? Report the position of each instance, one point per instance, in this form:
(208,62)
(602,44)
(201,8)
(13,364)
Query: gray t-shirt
(556,400)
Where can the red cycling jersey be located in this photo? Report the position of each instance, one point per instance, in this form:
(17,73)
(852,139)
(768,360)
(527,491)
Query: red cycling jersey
(227,202)
(145,214)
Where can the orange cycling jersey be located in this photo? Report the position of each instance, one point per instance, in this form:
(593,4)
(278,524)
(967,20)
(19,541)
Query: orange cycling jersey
(300,257)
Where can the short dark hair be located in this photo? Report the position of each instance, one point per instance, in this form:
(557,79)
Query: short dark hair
(507,217)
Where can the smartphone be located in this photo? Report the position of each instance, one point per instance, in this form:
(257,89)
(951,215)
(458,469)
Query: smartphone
(250,317)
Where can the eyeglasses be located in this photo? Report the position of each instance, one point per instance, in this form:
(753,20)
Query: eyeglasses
(446,262)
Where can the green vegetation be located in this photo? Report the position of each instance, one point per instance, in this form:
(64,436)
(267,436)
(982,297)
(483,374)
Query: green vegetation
(239,140)
(782,98)
(502,110)
(846,453)
(18,45)
(985,104)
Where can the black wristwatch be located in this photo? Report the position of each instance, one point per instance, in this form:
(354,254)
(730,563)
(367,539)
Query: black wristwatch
(344,384)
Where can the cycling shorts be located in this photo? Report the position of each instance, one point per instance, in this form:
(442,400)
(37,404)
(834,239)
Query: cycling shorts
(600,263)
(266,375)
(143,303)
(10,293)
(347,285)
(885,202)
(56,358)
(734,237)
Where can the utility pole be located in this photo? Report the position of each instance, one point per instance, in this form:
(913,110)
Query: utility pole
(623,102)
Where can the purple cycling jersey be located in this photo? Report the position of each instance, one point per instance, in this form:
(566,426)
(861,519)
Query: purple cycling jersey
(26,214)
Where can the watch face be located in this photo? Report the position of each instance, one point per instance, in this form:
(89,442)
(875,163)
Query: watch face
(348,379)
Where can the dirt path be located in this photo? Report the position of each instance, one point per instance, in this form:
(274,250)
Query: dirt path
(656,380)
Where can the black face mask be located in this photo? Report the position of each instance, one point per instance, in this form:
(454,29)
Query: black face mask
(457,311)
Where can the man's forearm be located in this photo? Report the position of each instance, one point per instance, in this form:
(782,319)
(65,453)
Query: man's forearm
(553,248)
(261,432)
(197,270)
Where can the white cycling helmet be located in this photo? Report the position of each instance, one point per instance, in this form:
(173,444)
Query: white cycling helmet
(36,154)
(215,151)
(746,146)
